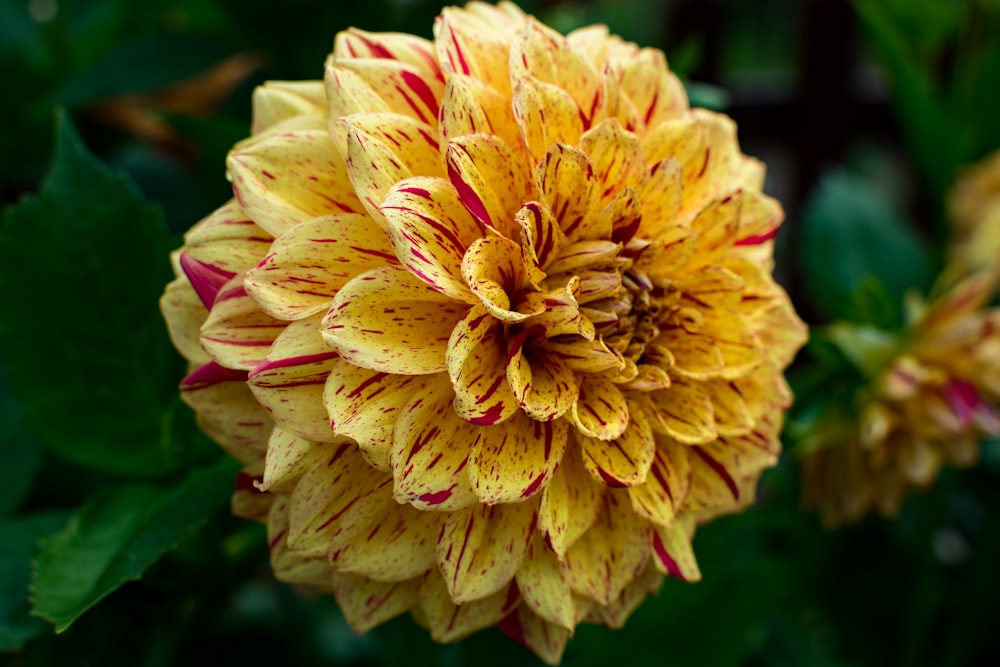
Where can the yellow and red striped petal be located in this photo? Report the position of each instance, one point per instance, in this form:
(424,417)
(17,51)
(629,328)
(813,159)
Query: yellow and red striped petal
(542,586)
(282,178)
(492,180)
(565,178)
(493,269)
(684,412)
(659,499)
(541,239)
(364,404)
(615,614)
(513,462)
(228,240)
(547,115)
(616,158)
(480,548)
(387,320)
(382,540)
(476,358)
(655,91)
(570,504)
(410,49)
(547,640)
(184,313)
(366,603)
(672,551)
(600,410)
(430,231)
(311,261)
(624,461)
(469,106)
(227,411)
(288,458)
(384,149)
(237,332)
(289,381)
(403,89)
(430,451)
(474,46)
(545,386)
(450,622)
(611,554)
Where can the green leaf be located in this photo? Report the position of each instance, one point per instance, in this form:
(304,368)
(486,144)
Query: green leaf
(19,537)
(851,237)
(86,349)
(21,458)
(117,535)
(929,128)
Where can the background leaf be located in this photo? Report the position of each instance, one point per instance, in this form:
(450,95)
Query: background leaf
(853,246)
(87,351)
(119,533)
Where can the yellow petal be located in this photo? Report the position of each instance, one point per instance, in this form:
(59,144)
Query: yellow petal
(366,603)
(480,548)
(364,404)
(624,461)
(325,492)
(653,89)
(565,179)
(389,321)
(227,240)
(570,504)
(430,451)
(294,567)
(384,149)
(403,89)
(546,640)
(288,458)
(283,178)
(492,180)
(474,47)
(289,381)
(546,115)
(600,411)
(542,586)
(684,412)
(584,356)
(469,106)
(543,54)
(237,332)
(545,386)
(714,486)
(277,101)
(611,554)
(660,196)
(430,231)
(477,356)
(615,614)
(541,239)
(512,462)
(660,497)
(380,539)
(449,622)
(493,269)
(616,157)
(227,411)
(728,407)
(311,261)
(410,49)
(185,313)
(673,553)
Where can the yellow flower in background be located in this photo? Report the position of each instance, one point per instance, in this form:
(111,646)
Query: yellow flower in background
(490,323)
(928,408)
(974,209)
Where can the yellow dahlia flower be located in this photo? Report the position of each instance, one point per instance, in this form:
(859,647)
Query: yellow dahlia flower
(490,323)
(928,407)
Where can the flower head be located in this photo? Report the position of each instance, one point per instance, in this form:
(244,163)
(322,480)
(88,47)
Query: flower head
(491,324)
(927,408)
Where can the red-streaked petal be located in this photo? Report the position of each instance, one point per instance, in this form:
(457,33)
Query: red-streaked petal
(514,461)
(492,180)
(624,461)
(477,355)
(570,504)
(237,332)
(600,410)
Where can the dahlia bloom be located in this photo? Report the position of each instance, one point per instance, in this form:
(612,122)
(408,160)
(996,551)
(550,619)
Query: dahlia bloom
(974,208)
(490,323)
(928,407)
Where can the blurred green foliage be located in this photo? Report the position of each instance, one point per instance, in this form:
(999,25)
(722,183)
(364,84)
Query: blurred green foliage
(104,477)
